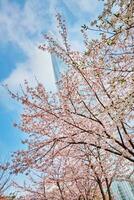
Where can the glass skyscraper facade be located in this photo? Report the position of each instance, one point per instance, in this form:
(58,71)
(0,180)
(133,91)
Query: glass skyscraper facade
(59,67)
(122,190)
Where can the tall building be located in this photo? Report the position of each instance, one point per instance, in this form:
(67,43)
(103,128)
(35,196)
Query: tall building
(122,190)
(59,66)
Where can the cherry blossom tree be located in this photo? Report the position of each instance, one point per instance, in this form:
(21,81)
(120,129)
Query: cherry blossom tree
(5,178)
(81,137)
(81,178)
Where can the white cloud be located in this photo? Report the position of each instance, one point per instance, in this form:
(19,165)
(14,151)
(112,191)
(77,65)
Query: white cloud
(22,27)
(78,7)
(39,66)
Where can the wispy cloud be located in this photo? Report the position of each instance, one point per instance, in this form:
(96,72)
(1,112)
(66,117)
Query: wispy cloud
(39,66)
(23,27)
(82,6)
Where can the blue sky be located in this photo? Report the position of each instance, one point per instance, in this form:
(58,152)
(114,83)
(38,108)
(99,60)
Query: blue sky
(22,23)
